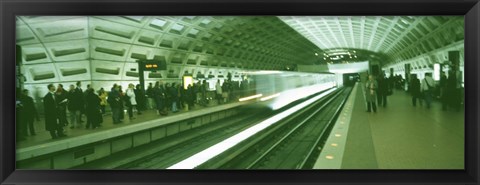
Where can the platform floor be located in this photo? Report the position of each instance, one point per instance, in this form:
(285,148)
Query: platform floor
(42,136)
(401,136)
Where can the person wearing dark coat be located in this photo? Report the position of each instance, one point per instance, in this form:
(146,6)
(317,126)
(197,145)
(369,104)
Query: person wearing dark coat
(450,90)
(140,98)
(189,96)
(382,90)
(51,114)
(122,102)
(443,90)
(93,110)
(20,127)
(159,96)
(76,105)
(28,114)
(181,95)
(150,97)
(114,102)
(414,89)
(61,97)
(173,92)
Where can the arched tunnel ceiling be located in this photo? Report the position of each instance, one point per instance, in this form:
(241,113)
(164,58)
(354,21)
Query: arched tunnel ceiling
(245,42)
(68,48)
(398,37)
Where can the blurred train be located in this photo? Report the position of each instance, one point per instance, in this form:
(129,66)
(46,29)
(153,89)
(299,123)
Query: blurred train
(280,88)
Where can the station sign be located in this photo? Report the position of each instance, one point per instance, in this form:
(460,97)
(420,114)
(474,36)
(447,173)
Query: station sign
(153,65)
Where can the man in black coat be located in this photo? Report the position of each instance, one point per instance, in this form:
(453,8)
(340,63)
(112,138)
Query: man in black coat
(51,113)
(382,91)
(114,101)
(93,109)
(414,89)
(29,112)
(77,105)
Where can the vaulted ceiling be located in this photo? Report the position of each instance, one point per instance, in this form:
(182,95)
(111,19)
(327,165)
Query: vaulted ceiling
(398,37)
(68,48)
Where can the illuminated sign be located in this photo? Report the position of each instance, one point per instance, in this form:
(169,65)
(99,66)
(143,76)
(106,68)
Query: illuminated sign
(152,65)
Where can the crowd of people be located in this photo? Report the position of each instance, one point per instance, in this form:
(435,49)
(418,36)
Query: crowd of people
(162,97)
(448,90)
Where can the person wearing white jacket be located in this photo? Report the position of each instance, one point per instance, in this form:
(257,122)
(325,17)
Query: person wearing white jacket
(427,86)
(218,89)
(132,103)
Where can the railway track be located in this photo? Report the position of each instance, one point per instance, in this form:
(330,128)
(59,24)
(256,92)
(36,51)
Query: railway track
(294,143)
(170,150)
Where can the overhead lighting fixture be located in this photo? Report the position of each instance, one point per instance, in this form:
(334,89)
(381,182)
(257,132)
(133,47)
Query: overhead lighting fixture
(339,53)
(316,54)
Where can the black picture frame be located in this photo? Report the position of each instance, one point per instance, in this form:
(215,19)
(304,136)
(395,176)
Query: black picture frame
(11,8)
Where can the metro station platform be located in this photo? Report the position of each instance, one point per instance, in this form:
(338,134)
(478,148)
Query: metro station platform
(398,136)
(42,136)
(82,145)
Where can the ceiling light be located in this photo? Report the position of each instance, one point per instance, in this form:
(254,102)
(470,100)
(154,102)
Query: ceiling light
(316,54)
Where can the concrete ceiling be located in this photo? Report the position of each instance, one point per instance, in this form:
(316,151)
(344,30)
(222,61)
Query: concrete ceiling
(105,48)
(65,48)
(397,37)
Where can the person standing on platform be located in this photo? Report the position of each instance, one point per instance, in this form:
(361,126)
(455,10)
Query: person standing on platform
(225,91)
(443,90)
(150,97)
(71,106)
(190,94)
(114,101)
(427,89)
(20,127)
(94,113)
(168,97)
(181,96)
(450,91)
(159,95)
(77,104)
(28,113)
(371,91)
(414,89)
(51,114)
(131,101)
(103,99)
(456,88)
(140,98)
(382,91)
(218,89)
(122,102)
(173,91)
(61,97)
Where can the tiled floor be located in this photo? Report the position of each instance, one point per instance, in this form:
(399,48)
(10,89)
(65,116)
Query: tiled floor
(43,136)
(401,136)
